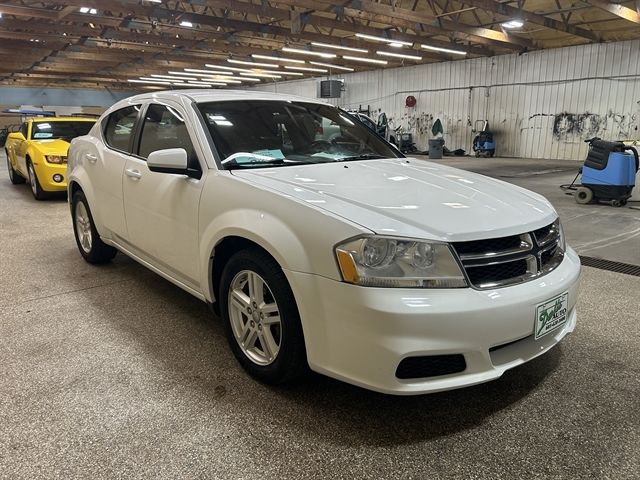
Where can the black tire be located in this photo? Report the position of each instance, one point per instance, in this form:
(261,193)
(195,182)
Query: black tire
(290,361)
(14,176)
(34,183)
(96,251)
(583,195)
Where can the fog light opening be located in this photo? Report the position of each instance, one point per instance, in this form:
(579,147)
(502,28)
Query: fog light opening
(58,178)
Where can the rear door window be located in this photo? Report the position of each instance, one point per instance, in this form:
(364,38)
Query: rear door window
(119,128)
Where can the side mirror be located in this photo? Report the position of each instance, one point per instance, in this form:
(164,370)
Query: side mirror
(16,136)
(171,160)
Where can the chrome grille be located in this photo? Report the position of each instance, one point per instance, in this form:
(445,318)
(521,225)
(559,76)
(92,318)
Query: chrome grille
(499,262)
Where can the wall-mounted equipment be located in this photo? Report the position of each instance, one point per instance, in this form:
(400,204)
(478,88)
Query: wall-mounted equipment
(330,88)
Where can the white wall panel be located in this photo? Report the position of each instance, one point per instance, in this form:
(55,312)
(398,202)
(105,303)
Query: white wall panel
(541,104)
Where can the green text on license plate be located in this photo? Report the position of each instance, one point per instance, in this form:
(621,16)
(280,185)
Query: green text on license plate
(551,315)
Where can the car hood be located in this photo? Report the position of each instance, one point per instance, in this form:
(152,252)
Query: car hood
(51,147)
(410,197)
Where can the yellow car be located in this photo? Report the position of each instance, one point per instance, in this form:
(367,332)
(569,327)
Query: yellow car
(38,152)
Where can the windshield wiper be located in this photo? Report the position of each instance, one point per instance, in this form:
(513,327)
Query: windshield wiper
(363,156)
(254,160)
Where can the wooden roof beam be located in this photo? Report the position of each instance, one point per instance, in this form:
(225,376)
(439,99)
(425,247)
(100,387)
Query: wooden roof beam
(617,10)
(513,12)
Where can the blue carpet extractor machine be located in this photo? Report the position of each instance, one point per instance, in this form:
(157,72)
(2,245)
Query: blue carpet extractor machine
(484,144)
(608,174)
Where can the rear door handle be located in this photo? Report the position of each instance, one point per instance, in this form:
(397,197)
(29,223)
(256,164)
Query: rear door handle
(91,158)
(132,173)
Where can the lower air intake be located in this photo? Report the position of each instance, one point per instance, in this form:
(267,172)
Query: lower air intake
(430,366)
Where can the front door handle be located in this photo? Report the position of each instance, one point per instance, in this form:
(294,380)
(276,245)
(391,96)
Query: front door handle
(91,158)
(132,173)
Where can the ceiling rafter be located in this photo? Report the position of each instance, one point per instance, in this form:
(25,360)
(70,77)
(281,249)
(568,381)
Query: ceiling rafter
(513,12)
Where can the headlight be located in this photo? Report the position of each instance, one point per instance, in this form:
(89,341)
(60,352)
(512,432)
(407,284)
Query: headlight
(54,158)
(398,262)
(562,242)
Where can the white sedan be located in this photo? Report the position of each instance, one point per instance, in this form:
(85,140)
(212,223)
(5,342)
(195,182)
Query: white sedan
(324,248)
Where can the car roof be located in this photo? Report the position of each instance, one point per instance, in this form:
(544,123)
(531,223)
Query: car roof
(200,95)
(62,119)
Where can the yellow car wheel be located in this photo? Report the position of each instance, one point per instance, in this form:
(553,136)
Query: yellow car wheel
(36,189)
(14,176)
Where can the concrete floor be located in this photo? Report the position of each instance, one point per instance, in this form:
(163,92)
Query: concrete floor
(113,372)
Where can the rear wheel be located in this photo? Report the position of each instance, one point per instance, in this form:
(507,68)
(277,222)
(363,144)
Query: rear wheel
(36,189)
(261,318)
(91,246)
(14,176)
(583,195)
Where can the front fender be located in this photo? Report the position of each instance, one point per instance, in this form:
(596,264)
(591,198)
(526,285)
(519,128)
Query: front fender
(265,230)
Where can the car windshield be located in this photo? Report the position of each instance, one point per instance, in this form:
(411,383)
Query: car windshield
(263,133)
(65,130)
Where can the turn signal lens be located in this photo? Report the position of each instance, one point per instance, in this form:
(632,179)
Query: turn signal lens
(54,159)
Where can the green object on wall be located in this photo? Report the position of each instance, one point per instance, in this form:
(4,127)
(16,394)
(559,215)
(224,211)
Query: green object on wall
(437,128)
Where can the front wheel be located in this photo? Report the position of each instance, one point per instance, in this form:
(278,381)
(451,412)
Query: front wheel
(261,318)
(14,176)
(91,246)
(36,189)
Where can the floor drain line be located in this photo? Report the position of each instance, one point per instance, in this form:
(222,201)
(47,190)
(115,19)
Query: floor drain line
(611,266)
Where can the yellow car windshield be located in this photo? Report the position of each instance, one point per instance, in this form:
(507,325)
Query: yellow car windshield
(65,130)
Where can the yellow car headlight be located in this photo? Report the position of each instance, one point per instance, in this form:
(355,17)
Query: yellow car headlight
(57,159)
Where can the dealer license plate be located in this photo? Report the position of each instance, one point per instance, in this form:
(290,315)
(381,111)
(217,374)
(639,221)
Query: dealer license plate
(551,315)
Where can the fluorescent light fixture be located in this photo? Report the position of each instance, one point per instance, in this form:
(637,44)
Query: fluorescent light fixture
(272,72)
(253,64)
(180,74)
(92,11)
(234,69)
(276,59)
(154,82)
(340,47)
(308,52)
(445,50)
(330,65)
(171,77)
(186,23)
(219,79)
(155,79)
(382,39)
(398,55)
(513,24)
(367,60)
(255,74)
(306,69)
(249,79)
(209,72)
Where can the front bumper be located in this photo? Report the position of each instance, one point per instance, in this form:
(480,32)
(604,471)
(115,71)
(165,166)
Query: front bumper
(46,171)
(360,335)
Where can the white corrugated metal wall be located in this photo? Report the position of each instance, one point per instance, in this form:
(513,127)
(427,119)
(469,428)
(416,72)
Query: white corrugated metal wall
(541,104)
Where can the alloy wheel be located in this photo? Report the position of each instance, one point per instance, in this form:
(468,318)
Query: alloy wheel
(83,227)
(10,169)
(255,317)
(32,180)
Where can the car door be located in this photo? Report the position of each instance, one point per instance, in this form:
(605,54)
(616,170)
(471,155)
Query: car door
(107,164)
(20,149)
(161,209)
